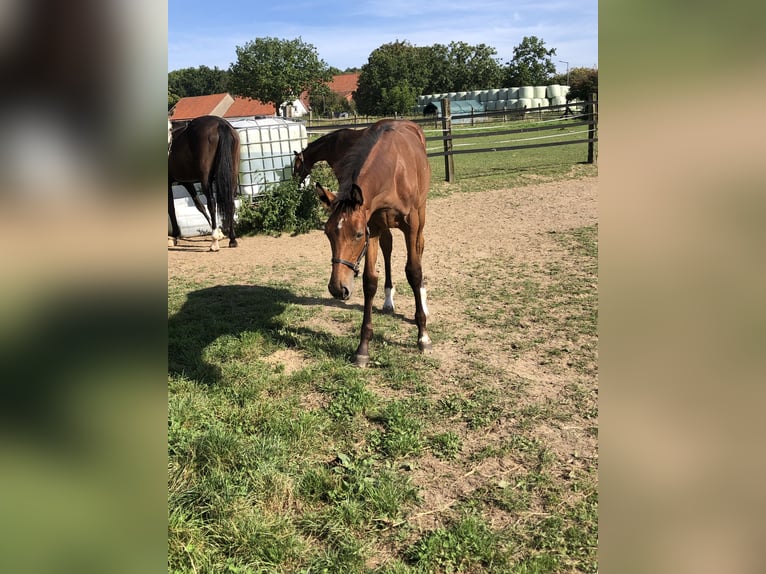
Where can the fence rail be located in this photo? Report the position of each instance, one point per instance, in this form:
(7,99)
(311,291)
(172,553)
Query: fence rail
(552,116)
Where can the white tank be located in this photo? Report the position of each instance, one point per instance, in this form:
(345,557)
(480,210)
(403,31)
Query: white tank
(266,151)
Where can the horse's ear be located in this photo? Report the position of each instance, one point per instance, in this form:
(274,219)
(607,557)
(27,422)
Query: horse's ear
(325,195)
(356,194)
(296,153)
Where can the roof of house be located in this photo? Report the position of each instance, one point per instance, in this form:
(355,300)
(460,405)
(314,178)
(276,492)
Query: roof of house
(196,106)
(244,107)
(344,84)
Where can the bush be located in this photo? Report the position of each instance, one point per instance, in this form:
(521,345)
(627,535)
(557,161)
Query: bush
(281,207)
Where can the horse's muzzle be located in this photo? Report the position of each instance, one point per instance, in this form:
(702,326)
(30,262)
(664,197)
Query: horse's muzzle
(339,290)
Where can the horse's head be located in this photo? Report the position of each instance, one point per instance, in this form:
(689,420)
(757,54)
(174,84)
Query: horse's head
(347,230)
(299,167)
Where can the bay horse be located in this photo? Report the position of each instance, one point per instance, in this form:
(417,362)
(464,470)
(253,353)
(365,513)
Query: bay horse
(206,151)
(383,184)
(330,147)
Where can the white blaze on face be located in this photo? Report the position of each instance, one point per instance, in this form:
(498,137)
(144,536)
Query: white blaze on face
(340,223)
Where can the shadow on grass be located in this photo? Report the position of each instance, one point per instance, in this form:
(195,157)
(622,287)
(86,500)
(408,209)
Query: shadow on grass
(237,310)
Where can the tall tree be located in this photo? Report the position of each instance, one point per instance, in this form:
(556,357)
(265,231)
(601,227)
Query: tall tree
(397,70)
(531,64)
(275,71)
(460,67)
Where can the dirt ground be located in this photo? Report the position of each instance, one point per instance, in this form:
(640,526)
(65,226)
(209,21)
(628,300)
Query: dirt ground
(513,222)
(518,223)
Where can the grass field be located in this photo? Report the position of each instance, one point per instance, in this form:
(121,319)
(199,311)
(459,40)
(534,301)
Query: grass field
(284,458)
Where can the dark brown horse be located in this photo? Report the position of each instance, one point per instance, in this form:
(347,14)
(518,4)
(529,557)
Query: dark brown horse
(206,151)
(384,182)
(330,147)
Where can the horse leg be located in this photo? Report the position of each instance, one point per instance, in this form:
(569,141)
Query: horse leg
(195,199)
(210,196)
(386,244)
(421,247)
(176,232)
(370,285)
(231,234)
(414,272)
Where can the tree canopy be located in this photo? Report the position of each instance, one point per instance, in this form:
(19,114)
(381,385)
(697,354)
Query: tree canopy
(582,83)
(200,81)
(391,79)
(275,71)
(460,67)
(531,64)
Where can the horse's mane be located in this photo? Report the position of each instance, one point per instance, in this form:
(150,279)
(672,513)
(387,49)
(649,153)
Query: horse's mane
(352,163)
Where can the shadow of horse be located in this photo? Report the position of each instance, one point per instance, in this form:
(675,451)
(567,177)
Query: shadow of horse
(236,310)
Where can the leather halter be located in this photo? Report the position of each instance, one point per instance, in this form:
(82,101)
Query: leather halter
(355,266)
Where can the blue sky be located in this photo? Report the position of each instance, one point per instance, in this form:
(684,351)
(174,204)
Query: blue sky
(204,32)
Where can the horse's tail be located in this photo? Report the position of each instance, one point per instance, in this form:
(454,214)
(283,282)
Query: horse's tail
(226,173)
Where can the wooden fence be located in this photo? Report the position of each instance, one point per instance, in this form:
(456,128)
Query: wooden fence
(551,116)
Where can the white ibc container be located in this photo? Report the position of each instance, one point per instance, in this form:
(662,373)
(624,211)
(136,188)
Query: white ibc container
(564,90)
(513,94)
(512,104)
(266,151)
(502,94)
(539,92)
(536,103)
(499,105)
(525,103)
(552,91)
(490,106)
(526,92)
(482,97)
(492,95)
(461,96)
(558,101)
(451,95)
(474,95)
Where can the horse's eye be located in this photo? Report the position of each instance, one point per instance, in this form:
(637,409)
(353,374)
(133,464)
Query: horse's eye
(359,234)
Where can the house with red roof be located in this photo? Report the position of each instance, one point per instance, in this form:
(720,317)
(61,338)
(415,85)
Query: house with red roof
(345,85)
(196,106)
(232,107)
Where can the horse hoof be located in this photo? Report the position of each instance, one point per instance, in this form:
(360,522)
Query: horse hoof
(424,344)
(361,361)
(214,248)
(172,242)
(232,243)
(388,308)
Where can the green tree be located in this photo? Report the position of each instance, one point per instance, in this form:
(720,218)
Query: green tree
(325,102)
(531,64)
(583,82)
(399,99)
(200,81)
(391,79)
(460,67)
(275,71)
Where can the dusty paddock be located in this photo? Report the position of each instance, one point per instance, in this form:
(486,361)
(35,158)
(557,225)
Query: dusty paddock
(472,239)
(515,222)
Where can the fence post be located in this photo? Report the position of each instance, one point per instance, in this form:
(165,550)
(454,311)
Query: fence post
(449,162)
(592,119)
